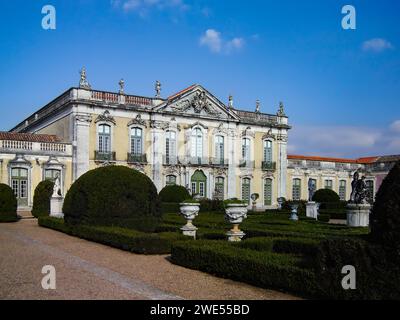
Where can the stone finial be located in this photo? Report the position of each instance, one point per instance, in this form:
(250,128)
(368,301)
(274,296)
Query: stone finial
(158,89)
(230,103)
(121,86)
(258,106)
(83,83)
(281,110)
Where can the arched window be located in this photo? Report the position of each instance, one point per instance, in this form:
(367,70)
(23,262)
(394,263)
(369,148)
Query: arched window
(268,192)
(219,188)
(370,190)
(329,184)
(170,180)
(197,143)
(342,190)
(219,149)
(246,189)
(104,133)
(246,149)
(136,141)
(198,184)
(170,147)
(296,189)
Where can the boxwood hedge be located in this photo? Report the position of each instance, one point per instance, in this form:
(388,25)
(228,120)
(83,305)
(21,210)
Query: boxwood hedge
(8,204)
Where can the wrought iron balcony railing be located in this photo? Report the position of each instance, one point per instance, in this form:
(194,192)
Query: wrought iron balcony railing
(246,164)
(104,156)
(137,158)
(219,162)
(170,161)
(268,165)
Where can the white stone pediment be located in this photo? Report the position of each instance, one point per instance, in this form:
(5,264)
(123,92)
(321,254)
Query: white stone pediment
(197,102)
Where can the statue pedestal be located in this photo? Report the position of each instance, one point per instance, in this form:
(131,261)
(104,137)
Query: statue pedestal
(189,230)
(56,204)
(358,214)
(312,209)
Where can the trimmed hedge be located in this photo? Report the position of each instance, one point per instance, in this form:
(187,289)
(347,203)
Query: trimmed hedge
(113,196)
(170,207)
(208,205)
(324,217)
(260,268)
(8,204)
(174,194)
(325,195)
(121,238)
(41,198)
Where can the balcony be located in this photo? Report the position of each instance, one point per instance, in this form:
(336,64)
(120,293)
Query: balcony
(170,161)
(246,164)
(268,166)
(219,162)
(137,158)
(104,156)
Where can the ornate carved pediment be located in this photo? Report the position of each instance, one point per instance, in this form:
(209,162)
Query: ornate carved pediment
(221,129)
(137,121)
(172,170)
(282,137)
(269,135)
(159,124)
(268,174)
(105,117)
(248,132)
(20,160)
(220,172)
(198,123)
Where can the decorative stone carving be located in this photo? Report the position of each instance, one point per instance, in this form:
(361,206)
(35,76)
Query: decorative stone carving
(138,121)
(359,190)
(269,135)
(258,106)
(57,187)
(281,110)
(158,89)
(358,214)
(312,209)
(105,117)
(159,124)
(311,188)
(172,170)
(282,137)
(121,86)
(189,211)
(235,214)
(83,118)
(198,102)
(248,133)
(198,123)
(138,166)
(293,215)
(83,83)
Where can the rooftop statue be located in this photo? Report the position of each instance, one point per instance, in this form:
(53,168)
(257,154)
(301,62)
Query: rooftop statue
(83,83)
(121,86)
(158,89)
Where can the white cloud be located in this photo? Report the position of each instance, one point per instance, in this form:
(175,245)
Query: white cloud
(214,41)
(395,126)
(376,45)
(343,141)
(142,6)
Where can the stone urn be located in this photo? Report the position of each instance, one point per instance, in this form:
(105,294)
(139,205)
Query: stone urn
(294,216)
(235,213)
(189,211)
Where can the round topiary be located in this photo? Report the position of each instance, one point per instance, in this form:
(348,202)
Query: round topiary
(41,198)
(8,204)
(325,195)
(113,195)
(385,215)
(174,193)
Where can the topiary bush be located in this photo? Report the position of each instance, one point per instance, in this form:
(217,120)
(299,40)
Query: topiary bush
(41,198)
(113,196)
(385,215)
(325,195)
(174,194)
(8,204)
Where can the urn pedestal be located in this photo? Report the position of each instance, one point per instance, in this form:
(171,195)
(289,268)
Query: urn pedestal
(294,216)
(56,204)
(189,211)
(358,214)
(235,214)
(312,209)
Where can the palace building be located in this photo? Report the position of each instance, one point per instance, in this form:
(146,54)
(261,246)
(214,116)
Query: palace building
(190,138)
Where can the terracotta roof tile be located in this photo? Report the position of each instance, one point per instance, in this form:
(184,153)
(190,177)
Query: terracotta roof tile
(28,137)
(316,158)
(181,92)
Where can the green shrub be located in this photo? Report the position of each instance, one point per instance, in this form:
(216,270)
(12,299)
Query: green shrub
(324,217)
(122,238)
(170,207)
(8,204)
(301,209)
(214,205)
(41,198)
(257,244)
(377,274)
(334,213)
(261,268)
(113,196)
(385,215)
(325,195)
(174,193)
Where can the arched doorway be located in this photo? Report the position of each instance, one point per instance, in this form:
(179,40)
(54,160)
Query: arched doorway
(199,184)
(19,184)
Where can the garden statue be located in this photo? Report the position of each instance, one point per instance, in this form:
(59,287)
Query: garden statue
(353,187)
(56,200)
(56,188)
(358,209)
(361,191)
(311,189)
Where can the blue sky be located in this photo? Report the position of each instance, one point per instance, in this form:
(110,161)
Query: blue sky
(341,88)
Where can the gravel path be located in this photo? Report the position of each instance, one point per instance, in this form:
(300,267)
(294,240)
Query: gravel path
(87,270)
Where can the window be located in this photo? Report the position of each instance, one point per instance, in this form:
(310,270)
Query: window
(246,149)
(246,190)
(170,147)
(296,190)
(52,174)
(268,192)
(267,151)
(197,143)
(342,190)
(198,183)
(104,138)
(170,180)
(19,184)
(219,149)
(136,141)
(328,184)
(370,190)
(219,188)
